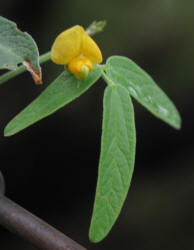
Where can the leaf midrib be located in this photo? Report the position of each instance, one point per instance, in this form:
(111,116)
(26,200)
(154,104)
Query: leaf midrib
(115,138)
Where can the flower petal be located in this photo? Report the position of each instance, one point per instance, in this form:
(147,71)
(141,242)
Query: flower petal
(67,45)
(75,65)
(90,49)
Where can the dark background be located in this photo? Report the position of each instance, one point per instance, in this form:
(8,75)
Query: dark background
(51,167)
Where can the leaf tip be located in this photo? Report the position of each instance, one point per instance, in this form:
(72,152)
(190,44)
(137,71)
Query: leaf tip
(95,237)
(10,130)
(178,126)
(98,231)
(7,131)
(36,73)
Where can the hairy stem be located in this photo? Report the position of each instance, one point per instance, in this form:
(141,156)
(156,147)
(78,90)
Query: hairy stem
(107,80)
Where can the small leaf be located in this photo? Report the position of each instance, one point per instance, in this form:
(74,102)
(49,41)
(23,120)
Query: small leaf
(59,93)
(18,47)
(141,86)
(96,27)
(116,160)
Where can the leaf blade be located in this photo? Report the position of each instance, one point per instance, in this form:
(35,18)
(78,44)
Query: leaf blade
(60,92)
(18,47)
(142,87)
(116,161)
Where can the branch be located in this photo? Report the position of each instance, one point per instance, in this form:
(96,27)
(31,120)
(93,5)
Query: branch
(18,220)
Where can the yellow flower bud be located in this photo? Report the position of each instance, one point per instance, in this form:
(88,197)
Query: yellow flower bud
(74,48)
(80,67)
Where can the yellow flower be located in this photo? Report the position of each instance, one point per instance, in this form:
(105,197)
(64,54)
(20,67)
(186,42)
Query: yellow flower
(76,50)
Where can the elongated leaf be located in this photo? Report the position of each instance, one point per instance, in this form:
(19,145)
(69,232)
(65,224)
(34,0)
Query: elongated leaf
(141,86)
(59,93)
(18,47)
(116,160)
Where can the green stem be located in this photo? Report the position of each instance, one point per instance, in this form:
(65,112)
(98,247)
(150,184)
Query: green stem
(105,77)
(5,77)
(45,57)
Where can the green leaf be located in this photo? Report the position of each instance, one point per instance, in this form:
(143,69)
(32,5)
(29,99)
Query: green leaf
(59,93)
(116,160)
(141,86)
(18,47)
(95,27)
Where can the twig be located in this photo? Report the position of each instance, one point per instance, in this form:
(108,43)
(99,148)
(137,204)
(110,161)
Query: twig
(18,220)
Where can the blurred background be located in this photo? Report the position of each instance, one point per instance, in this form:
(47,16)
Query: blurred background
(51,168)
